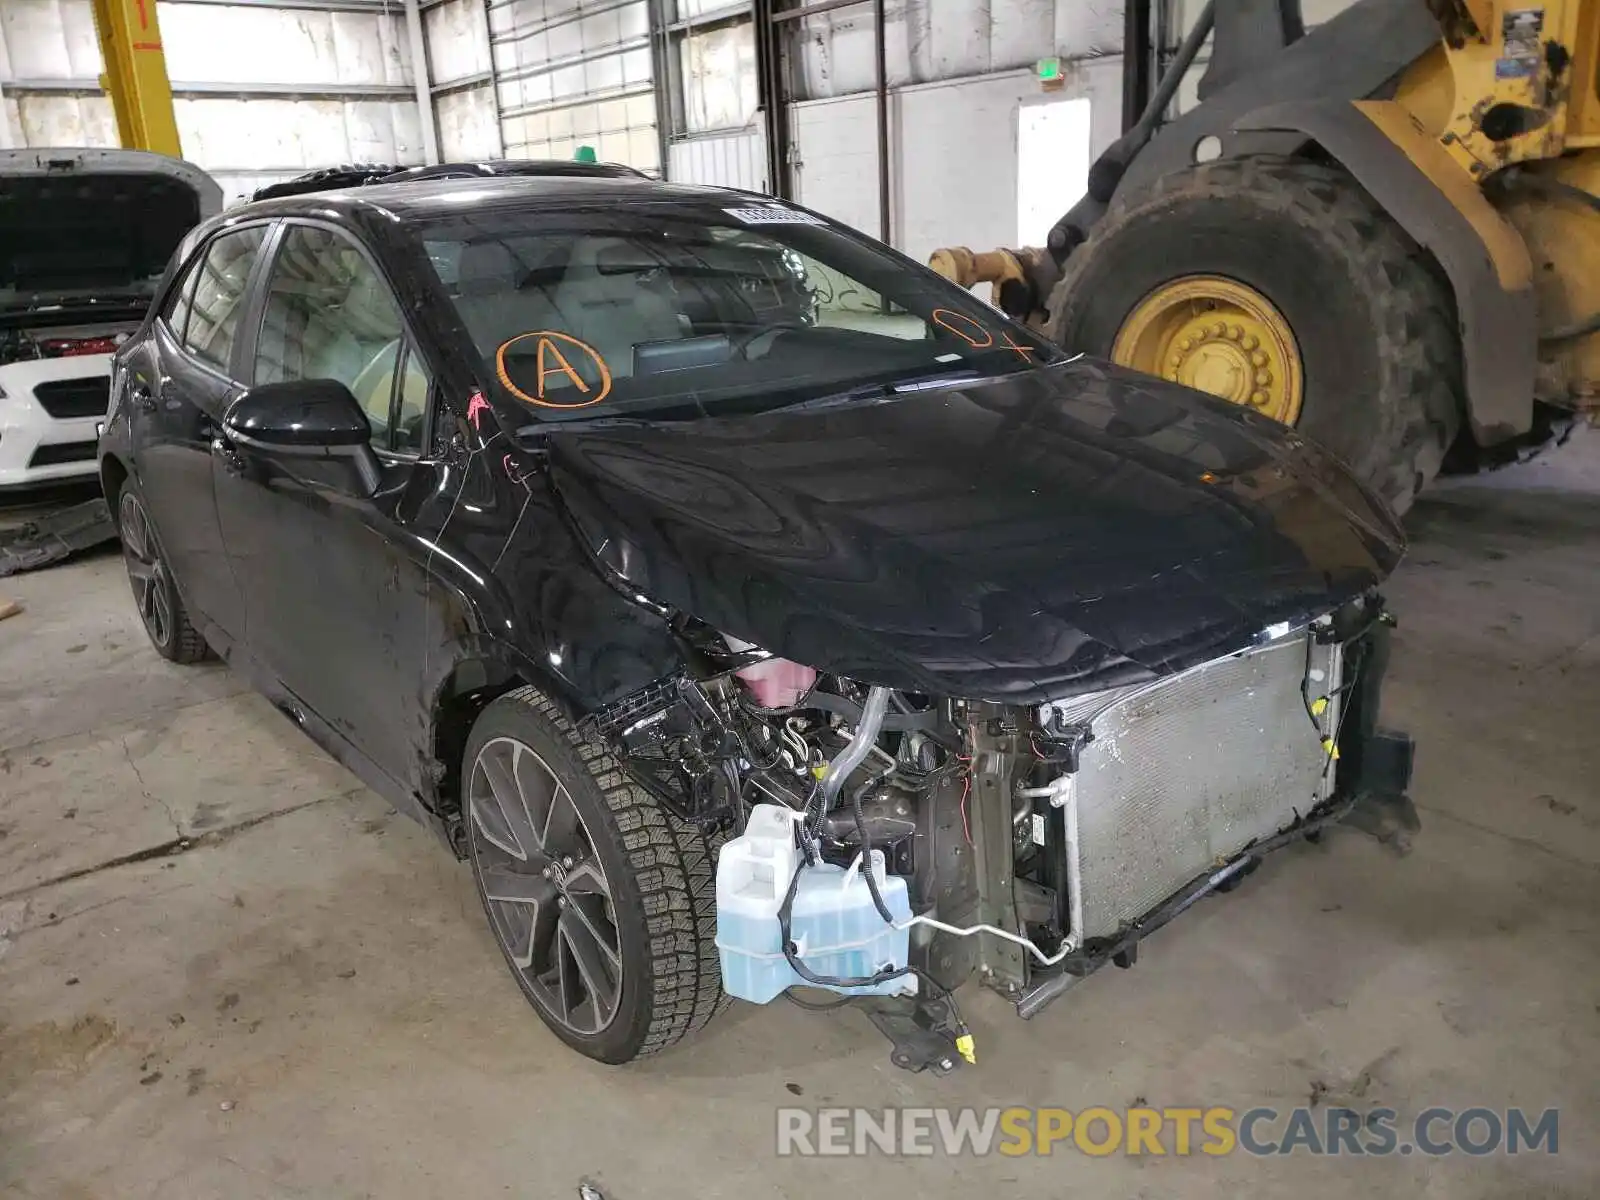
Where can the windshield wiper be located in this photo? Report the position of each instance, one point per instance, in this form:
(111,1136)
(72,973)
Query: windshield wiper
(868,391)
(874,391)
(934,382)
(583,425)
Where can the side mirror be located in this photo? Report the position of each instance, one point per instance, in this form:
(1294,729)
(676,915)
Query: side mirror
(305,418)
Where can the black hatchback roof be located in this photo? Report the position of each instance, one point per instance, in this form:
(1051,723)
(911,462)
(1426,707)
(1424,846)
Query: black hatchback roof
(440,197)
(514,166)
(366,174)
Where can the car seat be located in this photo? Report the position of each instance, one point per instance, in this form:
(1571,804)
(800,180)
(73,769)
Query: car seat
(604,295)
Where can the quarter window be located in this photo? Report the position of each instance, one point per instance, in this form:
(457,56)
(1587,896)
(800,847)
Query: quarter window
(411,404)
(176,310)
(219,295)
(329,314)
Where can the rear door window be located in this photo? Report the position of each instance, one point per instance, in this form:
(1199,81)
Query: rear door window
(219,294)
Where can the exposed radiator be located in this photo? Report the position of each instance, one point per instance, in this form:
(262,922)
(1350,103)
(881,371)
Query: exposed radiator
(1182,775)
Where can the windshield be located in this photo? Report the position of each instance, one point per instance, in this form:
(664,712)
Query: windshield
(735,304)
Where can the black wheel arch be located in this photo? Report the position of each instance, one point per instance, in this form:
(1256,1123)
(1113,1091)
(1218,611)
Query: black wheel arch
(492,646)
(481,673)
(113,471)
(471,683)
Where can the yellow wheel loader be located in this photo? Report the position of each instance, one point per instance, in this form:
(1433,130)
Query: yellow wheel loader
(1384,231)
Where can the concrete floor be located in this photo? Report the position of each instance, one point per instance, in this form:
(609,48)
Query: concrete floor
(307,1003)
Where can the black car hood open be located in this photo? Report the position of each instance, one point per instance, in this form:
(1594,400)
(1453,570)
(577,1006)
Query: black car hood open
(1047,533)
(76,220)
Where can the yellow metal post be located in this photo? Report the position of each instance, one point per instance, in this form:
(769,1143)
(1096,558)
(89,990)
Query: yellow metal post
(136,75)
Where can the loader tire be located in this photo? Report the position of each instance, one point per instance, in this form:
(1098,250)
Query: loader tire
(1372,317)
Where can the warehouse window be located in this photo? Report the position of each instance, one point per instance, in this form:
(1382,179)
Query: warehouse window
(719,78)
(569,74)
(710,60)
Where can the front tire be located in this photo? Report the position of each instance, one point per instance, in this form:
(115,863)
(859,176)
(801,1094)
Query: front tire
(602,902)
(1373,324)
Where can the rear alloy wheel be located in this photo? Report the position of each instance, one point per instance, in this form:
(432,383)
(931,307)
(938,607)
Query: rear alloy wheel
(602,902)
(160,607)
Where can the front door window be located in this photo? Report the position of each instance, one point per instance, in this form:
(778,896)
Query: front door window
(329,314)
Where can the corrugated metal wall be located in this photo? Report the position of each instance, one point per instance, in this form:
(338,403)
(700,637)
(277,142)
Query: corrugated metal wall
(259,93)
(966,38)
(736,160)
(959,71)
(954,163)
(571,74)
(264,92)
(715,134)
(460,67)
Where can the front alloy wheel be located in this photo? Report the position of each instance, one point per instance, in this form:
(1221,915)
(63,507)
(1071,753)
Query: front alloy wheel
(544,888)
(603,902)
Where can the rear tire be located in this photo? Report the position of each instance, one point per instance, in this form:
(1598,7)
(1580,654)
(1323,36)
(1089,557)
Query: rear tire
(1374,320)
(641,962)
(166,621)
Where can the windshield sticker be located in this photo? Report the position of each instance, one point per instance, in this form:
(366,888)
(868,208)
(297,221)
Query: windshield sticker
(773,216)
(964,327)
(552,364)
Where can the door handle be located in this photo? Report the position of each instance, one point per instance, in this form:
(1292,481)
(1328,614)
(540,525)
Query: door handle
(230,458)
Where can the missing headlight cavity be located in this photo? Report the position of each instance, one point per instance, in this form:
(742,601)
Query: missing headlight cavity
(1020,844)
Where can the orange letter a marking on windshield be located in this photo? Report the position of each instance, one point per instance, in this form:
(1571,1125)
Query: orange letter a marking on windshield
(546,345)
(550,342)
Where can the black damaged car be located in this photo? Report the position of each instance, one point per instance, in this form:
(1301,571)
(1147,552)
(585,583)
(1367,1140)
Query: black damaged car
(607,527)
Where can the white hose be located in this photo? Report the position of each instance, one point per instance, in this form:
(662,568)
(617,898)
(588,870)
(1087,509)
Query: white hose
(1045,960)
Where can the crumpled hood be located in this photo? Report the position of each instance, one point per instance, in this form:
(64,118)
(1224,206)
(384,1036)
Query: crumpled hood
(1020,539)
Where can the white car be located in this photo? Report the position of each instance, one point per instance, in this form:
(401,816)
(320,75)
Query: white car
(84,238)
